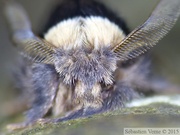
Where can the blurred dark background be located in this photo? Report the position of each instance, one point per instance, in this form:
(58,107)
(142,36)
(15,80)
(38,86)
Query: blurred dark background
(134,12)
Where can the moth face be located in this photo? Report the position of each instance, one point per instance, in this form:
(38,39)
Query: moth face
(86,71)
(87,67)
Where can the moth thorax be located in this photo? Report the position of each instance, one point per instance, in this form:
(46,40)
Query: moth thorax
(90,32)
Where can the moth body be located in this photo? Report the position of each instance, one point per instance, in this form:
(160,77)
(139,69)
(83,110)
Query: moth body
(85,60)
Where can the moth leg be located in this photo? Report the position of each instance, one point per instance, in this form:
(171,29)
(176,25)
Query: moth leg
(80,113)
(69,116)
(45,83)
(149,81)
(142,78)
(158,84)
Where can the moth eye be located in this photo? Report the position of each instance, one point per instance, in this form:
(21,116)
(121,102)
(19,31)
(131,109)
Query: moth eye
(106,87)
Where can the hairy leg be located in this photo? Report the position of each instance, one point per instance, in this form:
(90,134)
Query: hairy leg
(157,84)
(44,84)
(142,78)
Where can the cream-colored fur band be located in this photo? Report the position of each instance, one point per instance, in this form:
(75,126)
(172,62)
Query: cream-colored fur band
(91,32)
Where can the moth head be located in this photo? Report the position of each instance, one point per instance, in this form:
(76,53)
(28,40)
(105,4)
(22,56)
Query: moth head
(86,71)
(87,67)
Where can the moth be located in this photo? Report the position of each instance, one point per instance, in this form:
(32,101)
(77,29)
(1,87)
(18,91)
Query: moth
(87,62)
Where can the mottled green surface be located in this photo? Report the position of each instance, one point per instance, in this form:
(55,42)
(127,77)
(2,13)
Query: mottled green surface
(154,115)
